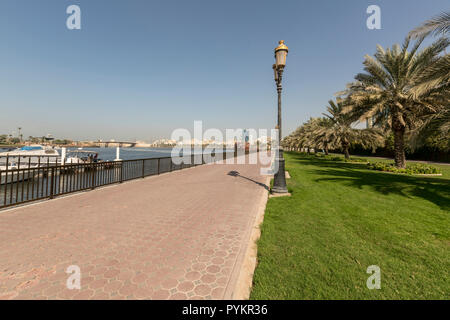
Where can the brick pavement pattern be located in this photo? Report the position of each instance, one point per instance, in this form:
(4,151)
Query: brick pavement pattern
(174,236)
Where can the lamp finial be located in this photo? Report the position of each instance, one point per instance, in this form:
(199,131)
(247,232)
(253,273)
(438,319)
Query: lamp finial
(281,46)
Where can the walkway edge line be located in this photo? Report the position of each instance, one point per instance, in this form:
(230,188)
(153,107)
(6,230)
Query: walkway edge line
(244,281)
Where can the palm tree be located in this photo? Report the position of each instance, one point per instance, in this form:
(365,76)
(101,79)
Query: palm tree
(322,126)
(302,137)
(437,74)
(298,138)
(437,25)
(438,123)
(290,143)
(439,70)
(392,91)
(307,137)
(338,131)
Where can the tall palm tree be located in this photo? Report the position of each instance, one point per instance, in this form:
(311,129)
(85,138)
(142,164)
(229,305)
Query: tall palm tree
(438,123)
(392,91)
(310,138)
(438,73)
(338,130)
(320,133)
(288,143)
(303,137)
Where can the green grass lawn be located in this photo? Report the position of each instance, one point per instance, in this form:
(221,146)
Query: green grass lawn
(342,218)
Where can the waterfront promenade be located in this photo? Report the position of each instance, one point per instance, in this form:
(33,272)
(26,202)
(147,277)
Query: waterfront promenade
(180,235)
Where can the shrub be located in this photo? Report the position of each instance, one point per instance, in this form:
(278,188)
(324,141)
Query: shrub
(356,160)
(415,168)
(337,158)
(328,157)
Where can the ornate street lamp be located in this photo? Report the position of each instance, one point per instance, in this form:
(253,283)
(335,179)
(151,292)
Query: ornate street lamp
(279,183)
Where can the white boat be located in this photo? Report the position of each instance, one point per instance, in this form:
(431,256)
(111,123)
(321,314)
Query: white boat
(80,156)
(34,157)
(30,155)
(12,175)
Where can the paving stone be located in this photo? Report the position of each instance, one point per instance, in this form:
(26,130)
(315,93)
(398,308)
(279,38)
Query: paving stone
(186,286)
(202,290)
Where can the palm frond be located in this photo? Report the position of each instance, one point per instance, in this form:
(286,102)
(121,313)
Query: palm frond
(440,24)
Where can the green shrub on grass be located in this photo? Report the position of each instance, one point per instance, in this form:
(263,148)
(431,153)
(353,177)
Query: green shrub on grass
(320,155)
(337,158)
(328,157)
(362,160)
(415,168)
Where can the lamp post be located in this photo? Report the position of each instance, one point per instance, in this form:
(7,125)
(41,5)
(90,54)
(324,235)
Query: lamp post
(279,183)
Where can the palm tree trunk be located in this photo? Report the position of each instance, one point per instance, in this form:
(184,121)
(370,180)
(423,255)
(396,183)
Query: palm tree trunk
(326,149)
(347,154)
(399,147)
(346,146)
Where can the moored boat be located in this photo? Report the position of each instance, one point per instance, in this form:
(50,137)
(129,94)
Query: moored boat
(30,155)
(13,175)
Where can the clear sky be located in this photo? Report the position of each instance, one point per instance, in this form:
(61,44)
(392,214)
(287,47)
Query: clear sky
(138,69)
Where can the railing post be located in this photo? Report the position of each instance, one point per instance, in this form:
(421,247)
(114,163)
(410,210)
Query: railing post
(51,182)
(143,167)
(6,181)
(121,172)
(159,160)
(93,176)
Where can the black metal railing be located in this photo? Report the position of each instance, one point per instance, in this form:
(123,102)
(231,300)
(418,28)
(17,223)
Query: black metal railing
(25,182)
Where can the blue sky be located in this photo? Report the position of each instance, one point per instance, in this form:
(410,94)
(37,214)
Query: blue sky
(139,69)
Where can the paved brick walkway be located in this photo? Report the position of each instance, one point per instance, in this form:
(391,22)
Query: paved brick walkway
(175,236)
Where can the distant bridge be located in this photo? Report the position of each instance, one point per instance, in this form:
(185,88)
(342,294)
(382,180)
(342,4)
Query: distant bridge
(113,143)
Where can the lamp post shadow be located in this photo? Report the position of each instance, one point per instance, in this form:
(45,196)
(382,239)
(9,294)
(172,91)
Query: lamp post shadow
(237,174)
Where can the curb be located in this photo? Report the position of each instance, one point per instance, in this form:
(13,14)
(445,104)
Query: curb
(244,283)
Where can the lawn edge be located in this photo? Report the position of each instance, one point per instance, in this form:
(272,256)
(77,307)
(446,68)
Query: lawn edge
(244,283)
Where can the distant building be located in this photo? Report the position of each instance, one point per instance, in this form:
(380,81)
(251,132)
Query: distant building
(142,144)
(49,138)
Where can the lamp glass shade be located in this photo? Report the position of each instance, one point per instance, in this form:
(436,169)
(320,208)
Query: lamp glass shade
(280,57)
(281,54)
